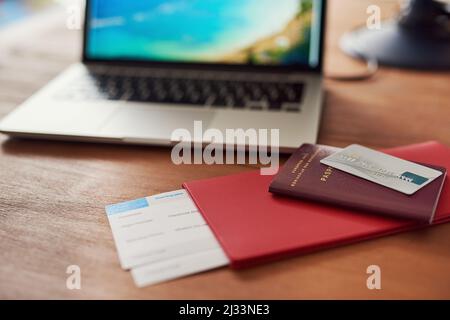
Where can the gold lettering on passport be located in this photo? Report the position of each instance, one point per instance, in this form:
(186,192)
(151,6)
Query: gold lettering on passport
(326,174)
(301,167)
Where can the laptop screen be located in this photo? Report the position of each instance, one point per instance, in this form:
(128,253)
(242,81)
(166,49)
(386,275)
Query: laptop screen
(284,33)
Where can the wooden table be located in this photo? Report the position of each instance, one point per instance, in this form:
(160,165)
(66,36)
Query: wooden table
(53,193)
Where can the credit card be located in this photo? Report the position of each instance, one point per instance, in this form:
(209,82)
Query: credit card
(395,173)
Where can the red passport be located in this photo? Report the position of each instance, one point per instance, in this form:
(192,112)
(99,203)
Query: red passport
(254,226)
(304,177)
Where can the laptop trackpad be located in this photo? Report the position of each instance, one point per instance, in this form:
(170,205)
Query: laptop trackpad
(153,122)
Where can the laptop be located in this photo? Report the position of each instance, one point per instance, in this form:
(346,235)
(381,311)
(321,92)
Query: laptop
(150,67)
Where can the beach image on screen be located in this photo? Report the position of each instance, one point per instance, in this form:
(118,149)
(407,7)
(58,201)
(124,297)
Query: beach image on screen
(260,32)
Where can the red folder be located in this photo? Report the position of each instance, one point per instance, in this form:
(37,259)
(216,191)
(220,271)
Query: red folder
(253,226)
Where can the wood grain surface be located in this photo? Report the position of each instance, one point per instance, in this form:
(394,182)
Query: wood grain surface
(53,193)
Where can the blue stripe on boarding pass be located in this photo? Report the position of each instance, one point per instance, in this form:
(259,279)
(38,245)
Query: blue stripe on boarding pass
(126,206)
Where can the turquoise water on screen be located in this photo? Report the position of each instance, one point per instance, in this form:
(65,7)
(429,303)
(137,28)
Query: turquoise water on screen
(187,30)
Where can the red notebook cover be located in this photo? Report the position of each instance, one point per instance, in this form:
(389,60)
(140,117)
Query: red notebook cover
(254,226)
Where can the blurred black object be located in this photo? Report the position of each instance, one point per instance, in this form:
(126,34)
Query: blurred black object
(419,38)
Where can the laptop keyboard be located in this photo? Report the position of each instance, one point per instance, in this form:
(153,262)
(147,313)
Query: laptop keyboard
(200,92)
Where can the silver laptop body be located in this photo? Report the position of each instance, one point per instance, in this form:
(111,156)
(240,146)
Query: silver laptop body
(143,101)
